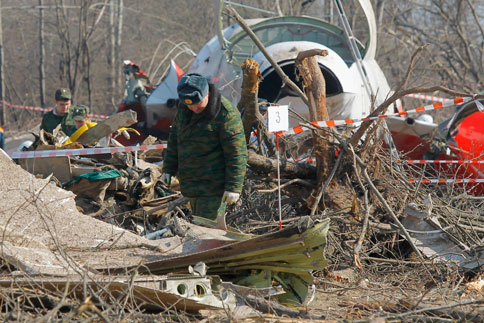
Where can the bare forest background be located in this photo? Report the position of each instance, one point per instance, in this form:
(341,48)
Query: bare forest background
(81,44)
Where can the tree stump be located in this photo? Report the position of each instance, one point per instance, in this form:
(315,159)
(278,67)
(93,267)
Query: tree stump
(315,88)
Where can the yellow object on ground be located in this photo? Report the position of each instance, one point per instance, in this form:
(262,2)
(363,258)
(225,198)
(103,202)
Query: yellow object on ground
(79,132)
(88,126)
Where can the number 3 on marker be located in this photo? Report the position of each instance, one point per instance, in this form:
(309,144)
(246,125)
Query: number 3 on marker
(278,118)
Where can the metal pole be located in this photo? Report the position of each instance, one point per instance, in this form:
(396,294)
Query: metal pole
(219,5)
(353,48)
(278,181)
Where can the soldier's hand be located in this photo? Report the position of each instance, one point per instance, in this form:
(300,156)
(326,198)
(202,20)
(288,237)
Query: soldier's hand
(230,197)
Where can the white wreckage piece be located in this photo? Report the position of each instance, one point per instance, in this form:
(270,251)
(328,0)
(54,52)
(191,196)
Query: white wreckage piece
(284,38)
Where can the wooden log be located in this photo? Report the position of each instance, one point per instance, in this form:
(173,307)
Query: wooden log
(266,165)
(248,98)
(107,127)
(252,118)
(314,81)
(315,87)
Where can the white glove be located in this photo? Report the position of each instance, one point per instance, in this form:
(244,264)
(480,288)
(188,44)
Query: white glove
(166,178)
(230,197)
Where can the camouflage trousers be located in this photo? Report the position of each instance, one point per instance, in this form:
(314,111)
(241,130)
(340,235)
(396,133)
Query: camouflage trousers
(208,207)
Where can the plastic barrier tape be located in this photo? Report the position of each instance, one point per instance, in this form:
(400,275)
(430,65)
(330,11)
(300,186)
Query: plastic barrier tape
(447,181)
(413,161)
(427,97)
(417,161)
(80,152)
(334,123)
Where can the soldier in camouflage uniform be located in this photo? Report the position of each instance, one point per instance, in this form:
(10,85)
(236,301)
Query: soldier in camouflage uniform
(206,149)
(60,114)
(80,115)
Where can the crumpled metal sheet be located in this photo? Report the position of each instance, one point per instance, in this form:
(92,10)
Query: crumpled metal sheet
(435,242)
(286,257)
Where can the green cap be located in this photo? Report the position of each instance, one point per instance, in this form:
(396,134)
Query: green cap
(79,112)
(192,88)
(63,94)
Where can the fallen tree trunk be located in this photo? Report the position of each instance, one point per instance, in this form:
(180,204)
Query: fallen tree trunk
(266,165)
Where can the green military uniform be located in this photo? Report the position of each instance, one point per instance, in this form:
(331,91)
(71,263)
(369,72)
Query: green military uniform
(208,154)
(50,122)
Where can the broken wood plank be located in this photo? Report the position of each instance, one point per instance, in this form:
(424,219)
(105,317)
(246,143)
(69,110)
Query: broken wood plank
(107,127)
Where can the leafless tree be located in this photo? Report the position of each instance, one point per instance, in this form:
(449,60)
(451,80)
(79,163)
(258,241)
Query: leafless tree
(42,54)
(453,29)
(80,41)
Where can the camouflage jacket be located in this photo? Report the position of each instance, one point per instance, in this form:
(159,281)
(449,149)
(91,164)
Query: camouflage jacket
(207,152)
(50,121)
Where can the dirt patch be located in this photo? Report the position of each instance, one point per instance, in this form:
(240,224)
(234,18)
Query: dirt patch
(36,213)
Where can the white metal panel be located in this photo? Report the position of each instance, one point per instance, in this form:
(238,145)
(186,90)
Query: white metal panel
(289,51)
(370,17)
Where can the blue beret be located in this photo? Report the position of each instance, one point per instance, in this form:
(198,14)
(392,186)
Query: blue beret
(192,88)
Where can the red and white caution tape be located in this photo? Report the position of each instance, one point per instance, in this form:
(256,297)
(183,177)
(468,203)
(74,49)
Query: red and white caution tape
(80,152)
(478,103)
(334,123)
(427,97)
(412,161)
(417,161)
(447,181)
(26,107)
